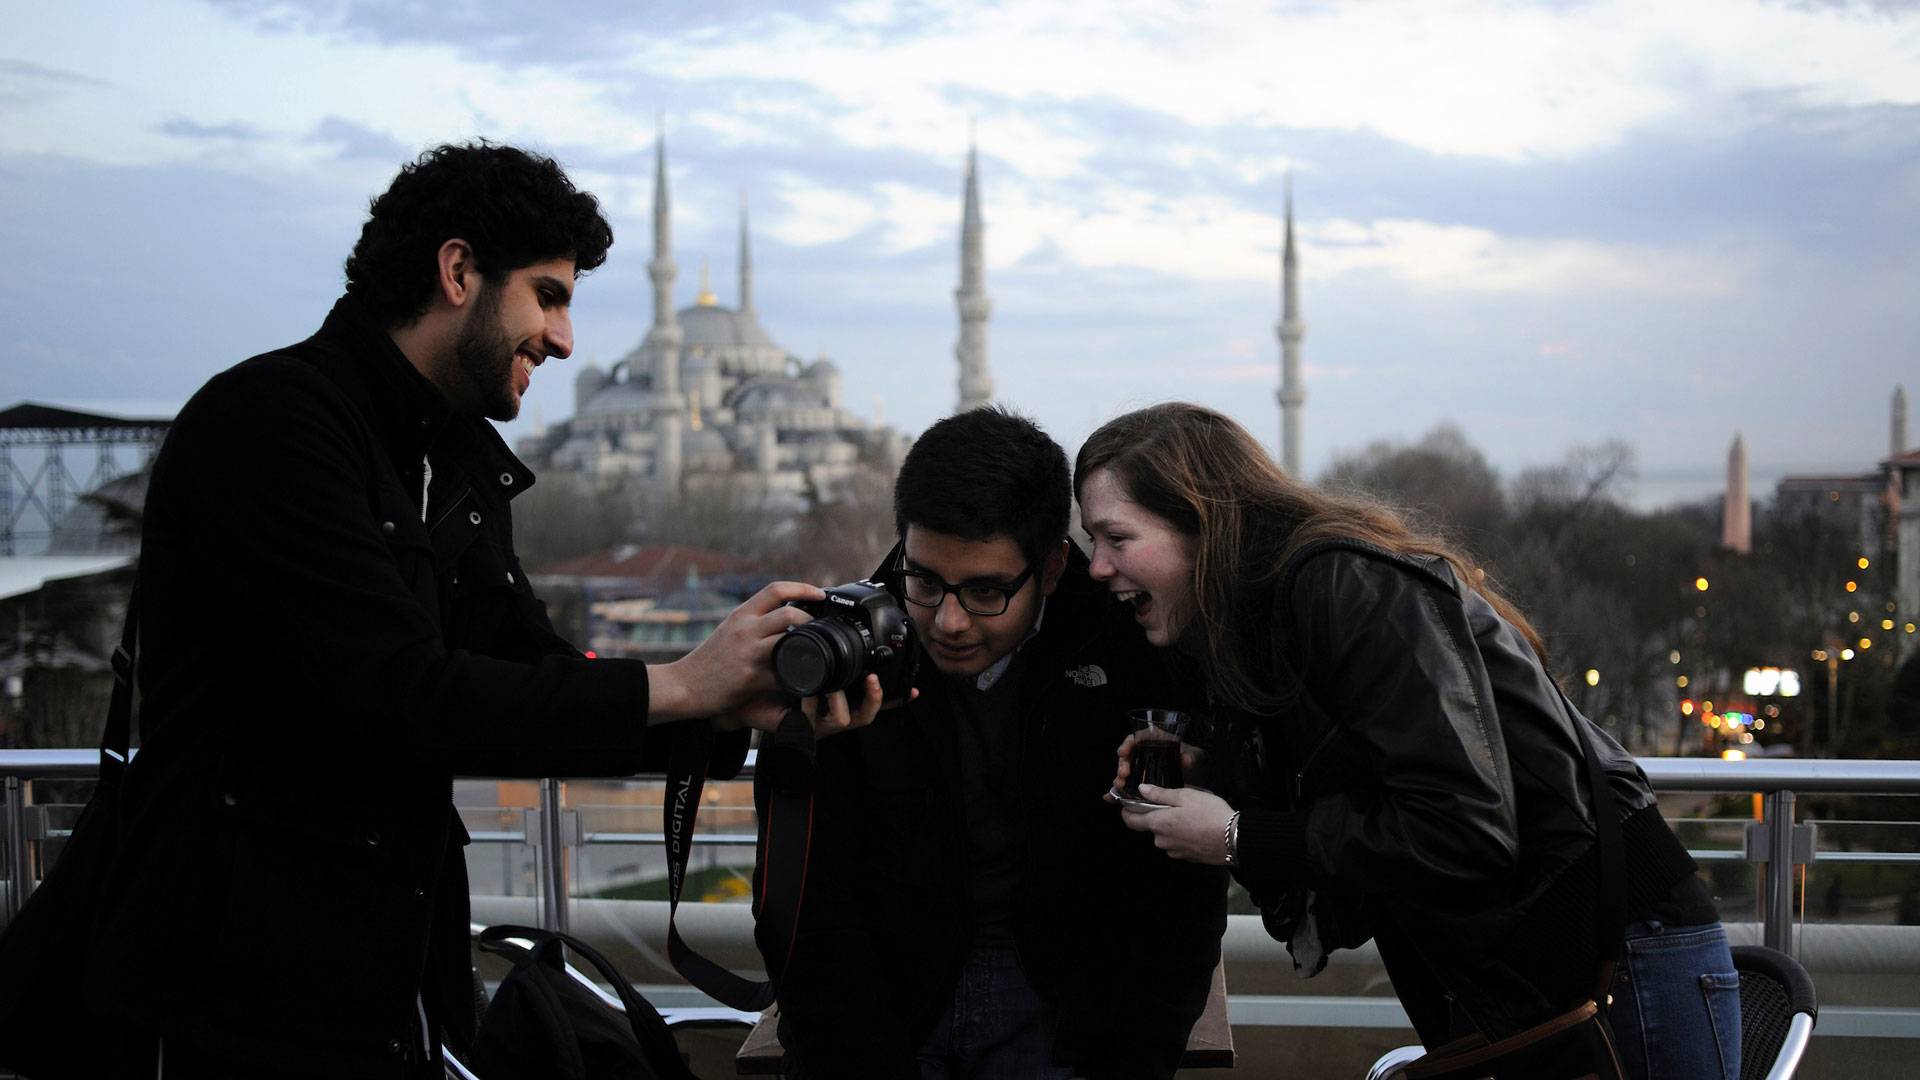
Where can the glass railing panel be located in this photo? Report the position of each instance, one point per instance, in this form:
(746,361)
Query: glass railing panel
(621,854)
(503,858)
(1858,903)
(1713,827)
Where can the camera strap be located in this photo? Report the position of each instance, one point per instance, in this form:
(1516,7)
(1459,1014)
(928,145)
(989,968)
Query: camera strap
(786,834)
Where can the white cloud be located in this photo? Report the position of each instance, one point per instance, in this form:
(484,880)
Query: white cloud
(1215,239)
(1479,77)
(170,58)
(1460,258)
(812,214)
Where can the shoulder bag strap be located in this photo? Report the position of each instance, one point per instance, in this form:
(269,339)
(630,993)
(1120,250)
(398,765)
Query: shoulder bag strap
(1611,920)
(786,839)
(117,738)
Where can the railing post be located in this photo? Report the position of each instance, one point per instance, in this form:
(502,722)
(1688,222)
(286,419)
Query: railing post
(17,869)
(553,856)
(1778,909)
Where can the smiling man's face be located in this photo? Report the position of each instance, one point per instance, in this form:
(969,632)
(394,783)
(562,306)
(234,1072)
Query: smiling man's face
(512,328)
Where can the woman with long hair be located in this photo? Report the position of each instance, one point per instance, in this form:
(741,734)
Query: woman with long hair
(1395,761)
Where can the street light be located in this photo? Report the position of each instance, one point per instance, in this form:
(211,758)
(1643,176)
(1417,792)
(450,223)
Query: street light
(1593,676)
(1700,583)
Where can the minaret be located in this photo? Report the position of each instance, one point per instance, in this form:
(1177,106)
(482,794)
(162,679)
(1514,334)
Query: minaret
(664,337)
(1897,441)
(746,262)
(976,382)
(1293,392)
(1736,529)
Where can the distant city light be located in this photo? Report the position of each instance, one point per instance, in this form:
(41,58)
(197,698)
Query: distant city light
(1593,676)
(1853,616)
(1681,682)
(1686,707)
(1846,654)
(1909,628)
(1853,586)
(1731,754)
(1769,681)
(1820,654)
(1700,583)
(1746,736)
(1886,624)
(1759,725)
(1674,656)
(1865,644)
(1864,563)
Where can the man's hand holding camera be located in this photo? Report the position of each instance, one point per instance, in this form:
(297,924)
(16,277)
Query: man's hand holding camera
(730,676)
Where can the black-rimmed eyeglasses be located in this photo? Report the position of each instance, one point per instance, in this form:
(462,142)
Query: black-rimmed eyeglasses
(977,597)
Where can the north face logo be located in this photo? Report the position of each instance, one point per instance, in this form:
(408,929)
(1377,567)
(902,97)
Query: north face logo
(1088,676)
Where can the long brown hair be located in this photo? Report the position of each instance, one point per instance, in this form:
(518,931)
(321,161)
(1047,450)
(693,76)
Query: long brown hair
(1245,518)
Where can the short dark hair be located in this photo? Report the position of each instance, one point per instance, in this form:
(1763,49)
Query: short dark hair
(513,207)
(984,472)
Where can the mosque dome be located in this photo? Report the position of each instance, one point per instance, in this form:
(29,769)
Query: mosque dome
(765,393)
(618,399)
(713,326)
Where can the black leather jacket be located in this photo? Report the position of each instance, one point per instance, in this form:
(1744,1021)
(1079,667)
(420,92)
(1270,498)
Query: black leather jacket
(1427,785)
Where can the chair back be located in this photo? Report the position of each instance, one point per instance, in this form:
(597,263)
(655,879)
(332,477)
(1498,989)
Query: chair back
(1777,1012)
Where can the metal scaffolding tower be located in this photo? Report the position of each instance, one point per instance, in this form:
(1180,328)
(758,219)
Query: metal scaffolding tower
(36,484)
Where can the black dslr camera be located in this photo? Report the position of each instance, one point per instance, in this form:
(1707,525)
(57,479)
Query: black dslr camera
(859,629)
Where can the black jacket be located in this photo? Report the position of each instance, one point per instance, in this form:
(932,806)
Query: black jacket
(1428,786)
(886,922)
(317,663)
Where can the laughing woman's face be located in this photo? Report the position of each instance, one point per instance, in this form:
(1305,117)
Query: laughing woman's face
(1139,556)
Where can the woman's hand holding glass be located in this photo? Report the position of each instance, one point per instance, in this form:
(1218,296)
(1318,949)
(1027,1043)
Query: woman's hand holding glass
(1189,824)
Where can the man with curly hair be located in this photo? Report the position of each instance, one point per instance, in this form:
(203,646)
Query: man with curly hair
(333,625)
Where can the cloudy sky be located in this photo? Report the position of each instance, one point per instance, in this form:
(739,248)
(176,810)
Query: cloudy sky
(1550,223)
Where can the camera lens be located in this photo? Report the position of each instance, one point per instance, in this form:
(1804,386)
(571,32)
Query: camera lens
(819,657)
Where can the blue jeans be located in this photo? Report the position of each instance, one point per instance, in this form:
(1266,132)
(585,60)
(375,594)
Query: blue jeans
(995,1027)
(1676,1004)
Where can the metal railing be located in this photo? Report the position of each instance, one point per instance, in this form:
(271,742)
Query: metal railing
(1776,843)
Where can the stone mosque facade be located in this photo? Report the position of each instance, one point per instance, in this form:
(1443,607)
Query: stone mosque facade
(708,400)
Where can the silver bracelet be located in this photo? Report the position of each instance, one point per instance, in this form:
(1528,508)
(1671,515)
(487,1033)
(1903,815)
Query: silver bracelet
(1231,837)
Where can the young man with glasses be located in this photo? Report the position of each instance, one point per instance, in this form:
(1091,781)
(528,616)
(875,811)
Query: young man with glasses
(973,907)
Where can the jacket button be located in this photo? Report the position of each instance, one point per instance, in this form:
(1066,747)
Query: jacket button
(474,517)
(373,838)
(509,577)
(419,894)
(230,799)
(506,479)
(393,1046)
(386,528)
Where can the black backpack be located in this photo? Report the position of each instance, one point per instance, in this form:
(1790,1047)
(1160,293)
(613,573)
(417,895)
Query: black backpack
(543,1024)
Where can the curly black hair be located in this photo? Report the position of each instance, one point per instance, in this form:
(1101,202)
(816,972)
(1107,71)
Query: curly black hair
(513,207)
(983,473)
